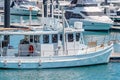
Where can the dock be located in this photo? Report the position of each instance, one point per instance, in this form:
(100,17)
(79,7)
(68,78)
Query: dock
(116,27)
(115,57)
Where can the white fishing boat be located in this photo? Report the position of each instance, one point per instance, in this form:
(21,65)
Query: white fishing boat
(54,44)
(23,8)
(89,13)
(51,46)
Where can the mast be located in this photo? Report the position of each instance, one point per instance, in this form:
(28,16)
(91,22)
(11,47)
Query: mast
(106,2)
(45,7)
(57,3)
(51,8)
(64,47)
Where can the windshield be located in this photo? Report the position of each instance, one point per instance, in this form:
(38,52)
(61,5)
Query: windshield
(93,13)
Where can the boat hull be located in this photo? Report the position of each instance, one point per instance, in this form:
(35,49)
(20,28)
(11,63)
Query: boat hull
(92,25)
(98,57)
(26,12)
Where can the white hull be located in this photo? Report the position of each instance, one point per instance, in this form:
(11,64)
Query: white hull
(92,25)
(98,57)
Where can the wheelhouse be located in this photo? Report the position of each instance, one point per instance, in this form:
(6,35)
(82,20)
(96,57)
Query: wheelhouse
(47,43)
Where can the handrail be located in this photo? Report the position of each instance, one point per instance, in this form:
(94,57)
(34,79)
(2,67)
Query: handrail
(60,52)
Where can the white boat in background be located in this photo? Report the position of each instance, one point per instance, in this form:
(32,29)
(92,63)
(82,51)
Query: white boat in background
(111,9)
(115,2)
(23,8)
(49,48)
(114,13)
(90,14)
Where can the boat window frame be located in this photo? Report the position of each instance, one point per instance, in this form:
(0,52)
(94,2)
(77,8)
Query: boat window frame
(77,37)
(70,37)
(54,38)
(69,15)
(45,41)
(93,13)
(36,38)
(61,37)
(78,16)
(25,40)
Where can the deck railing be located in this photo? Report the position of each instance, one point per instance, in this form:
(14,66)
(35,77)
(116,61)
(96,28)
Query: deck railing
(50,53)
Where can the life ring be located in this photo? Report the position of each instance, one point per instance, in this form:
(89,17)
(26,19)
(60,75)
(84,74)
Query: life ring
(31,49)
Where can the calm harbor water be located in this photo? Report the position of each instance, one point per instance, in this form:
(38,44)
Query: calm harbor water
(108,71)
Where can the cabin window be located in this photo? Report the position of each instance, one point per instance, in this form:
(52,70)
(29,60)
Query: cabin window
(85,5)
(31,38)
(25,40)
(70,37)
(77,36)
(68,14)
(78,16)
(54,38)
(45,38)
(118,12)
(36,39)
(61,37)
(112,11)
(93,13)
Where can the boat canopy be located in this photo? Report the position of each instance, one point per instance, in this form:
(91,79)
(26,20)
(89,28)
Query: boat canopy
(67,30)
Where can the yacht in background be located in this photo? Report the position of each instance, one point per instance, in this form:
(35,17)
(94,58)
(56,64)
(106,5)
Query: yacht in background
(23,8)
(89,13)
(111,8)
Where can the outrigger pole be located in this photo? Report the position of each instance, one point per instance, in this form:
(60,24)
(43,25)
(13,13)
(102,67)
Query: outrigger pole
(64,37)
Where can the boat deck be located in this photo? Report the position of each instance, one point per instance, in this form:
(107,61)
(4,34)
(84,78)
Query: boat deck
(13,58)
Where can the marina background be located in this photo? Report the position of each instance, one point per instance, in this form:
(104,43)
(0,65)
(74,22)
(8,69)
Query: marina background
(108,71)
